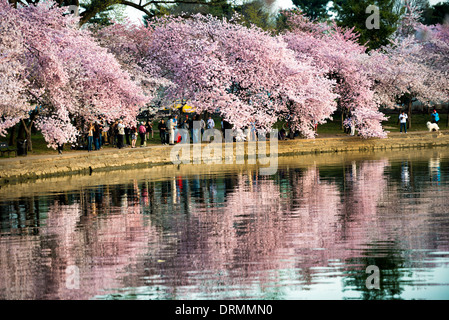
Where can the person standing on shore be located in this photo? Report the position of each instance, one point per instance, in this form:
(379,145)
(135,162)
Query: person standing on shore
(403,121)
(252,131)
(202,125)
(190,121)
(175,127)
(352,124)
(104,134)
(186,126)
(163,131)
(142,133)
(171,130)
(113,133)
(435,117)
(210,123)
(121,135)
(90,137)
(97,135)
(149,129)
(195,129)
(127,135)
(133,136)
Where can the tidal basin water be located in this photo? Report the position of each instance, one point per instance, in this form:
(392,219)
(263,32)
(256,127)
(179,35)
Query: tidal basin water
(226,232)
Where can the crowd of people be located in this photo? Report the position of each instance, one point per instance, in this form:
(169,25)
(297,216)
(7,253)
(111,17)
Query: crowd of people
(120,136)
(193,125)
(117,134)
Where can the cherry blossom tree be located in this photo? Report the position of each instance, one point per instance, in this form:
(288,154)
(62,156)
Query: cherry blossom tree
(129,43)
(245,74)
(413,66)
(13,104)
(404,70)
(68,75)
(437,43)
(337,51)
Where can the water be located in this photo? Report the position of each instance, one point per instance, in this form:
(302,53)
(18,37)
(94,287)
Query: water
(210,232)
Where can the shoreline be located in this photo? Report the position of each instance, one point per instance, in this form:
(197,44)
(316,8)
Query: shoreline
(35,167)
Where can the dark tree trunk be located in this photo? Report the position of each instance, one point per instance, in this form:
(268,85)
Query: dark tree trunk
(27,133)
(21,132)
(342,120)
(409,123)
(27,130)
(447,118)
(12,136)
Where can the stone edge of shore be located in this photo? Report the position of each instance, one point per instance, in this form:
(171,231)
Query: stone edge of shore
(36,167)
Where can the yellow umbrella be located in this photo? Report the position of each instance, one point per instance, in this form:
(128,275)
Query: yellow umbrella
(177,104)
(188,109)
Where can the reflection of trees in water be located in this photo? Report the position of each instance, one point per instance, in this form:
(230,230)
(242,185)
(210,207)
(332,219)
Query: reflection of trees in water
(364,191)
(408,220)
(364,194)
(85,234)
(215,232)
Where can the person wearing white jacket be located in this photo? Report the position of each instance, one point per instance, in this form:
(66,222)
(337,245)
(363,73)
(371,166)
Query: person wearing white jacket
(171,131)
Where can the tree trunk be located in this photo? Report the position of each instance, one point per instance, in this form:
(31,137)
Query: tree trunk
(28,130)
(21,132)
(447,118)
(409,123)
(28,135)
(12,136)
(342,120)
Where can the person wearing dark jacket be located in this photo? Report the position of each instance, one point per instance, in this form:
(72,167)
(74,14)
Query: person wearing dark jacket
(97,135)
(186,125)
(163,131)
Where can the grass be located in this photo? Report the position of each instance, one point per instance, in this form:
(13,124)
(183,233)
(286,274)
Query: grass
(332,128)
(418,122)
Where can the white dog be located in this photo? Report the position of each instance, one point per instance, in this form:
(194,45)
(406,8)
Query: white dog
(432,127)
(239,135)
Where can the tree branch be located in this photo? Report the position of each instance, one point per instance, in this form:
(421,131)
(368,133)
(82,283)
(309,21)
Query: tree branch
(137,6)
(142,7)
(98,7)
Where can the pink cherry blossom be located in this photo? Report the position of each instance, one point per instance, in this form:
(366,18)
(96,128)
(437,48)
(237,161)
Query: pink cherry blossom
(245,74)
(64,72)
(336,51)
(415,64)
(13,104)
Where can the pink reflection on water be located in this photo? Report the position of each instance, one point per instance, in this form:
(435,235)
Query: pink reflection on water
(191,244)
(33,266)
